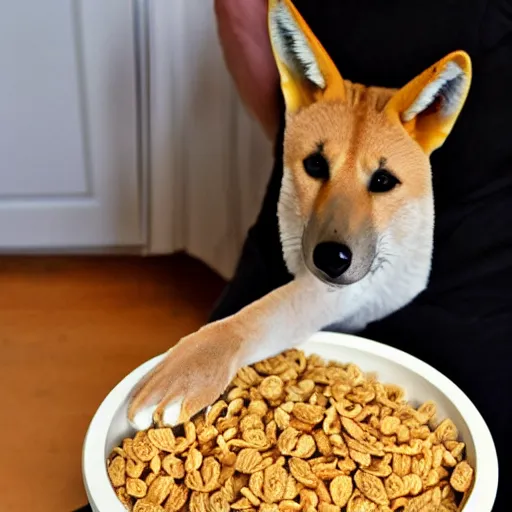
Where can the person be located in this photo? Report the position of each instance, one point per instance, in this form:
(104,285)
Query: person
(462,323)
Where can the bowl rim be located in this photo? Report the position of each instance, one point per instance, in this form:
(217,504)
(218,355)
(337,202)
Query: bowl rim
(481,499)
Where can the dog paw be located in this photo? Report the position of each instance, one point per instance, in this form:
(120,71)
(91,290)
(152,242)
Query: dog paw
(192,376)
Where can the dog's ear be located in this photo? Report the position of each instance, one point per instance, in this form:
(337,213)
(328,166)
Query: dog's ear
(429,105)
(307,72)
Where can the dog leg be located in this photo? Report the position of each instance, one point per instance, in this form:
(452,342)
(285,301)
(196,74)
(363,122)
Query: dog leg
(198,369)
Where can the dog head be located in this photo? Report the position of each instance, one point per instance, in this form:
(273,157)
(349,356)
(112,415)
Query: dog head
(356,158)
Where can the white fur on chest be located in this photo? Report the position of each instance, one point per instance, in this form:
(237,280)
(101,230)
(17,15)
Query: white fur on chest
(399,273)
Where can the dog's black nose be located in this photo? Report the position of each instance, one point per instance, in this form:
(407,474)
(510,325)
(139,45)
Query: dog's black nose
(332,258)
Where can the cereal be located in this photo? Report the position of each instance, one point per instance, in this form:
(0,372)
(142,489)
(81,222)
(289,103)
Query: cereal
(323,492)
(116,471)
(218,503)
(289,506)
(307,413)
(274,483)
(135,468)
(272,388)
(174,467)
(413,484)
(291,489)
(395,487)
(429,500)
(247,493)
(156,464)
(447,431)
(162,438)
(242,504)
(264,507)
(372,487)
(308,499)
(177,499)
(363,459)
(194,460)
(136,487)
(341,489)
(142,506)
(143,448)
(461,477)
(199,502)
(150,478)
(159,489)
(123,497)
(389,425)
(301,471)
(401,464)
(359,503)
(248,461)
(296,433)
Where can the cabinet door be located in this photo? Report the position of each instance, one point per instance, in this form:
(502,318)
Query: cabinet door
(68,125)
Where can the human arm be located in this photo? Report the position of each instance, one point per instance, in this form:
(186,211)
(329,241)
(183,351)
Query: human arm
(243,34)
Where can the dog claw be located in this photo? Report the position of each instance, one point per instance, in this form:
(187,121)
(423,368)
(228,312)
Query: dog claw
(172,412)
(143,419)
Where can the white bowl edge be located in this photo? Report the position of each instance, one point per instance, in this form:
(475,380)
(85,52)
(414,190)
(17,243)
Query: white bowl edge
(102,498)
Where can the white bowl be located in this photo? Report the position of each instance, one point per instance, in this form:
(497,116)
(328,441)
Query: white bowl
(420,381)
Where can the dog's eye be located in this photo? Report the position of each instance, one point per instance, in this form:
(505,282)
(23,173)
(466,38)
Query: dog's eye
(316,166)
(382,181)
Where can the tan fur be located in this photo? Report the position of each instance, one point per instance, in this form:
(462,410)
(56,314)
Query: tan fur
(430,129)
(198,357)
(200,366)
(357,136)
(359,130)
(297,91)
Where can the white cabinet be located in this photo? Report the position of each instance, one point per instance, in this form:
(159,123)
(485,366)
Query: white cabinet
(69,163)
(120,129)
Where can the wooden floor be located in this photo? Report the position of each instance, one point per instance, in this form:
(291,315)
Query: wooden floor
(70,329)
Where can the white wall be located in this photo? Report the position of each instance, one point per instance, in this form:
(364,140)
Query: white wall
(205,152)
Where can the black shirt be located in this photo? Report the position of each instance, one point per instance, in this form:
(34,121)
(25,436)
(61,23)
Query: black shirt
(462,323)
